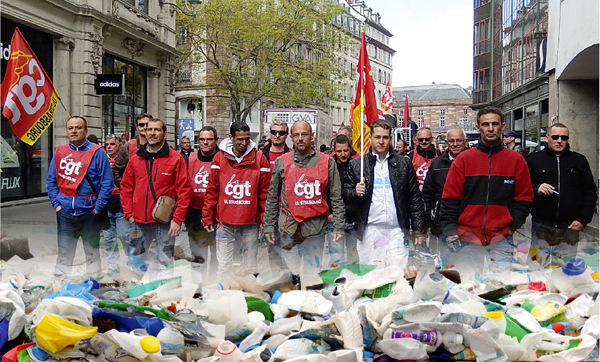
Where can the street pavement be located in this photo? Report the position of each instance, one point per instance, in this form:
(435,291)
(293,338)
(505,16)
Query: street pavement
(35,220)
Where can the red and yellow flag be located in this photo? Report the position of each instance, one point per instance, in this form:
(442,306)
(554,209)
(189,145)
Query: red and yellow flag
(364,101)
(28,95)
(387,99)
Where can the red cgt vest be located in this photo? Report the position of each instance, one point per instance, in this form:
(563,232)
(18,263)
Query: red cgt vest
(238,200)
(305,188)
(71,168)
(421,166)
(199,172)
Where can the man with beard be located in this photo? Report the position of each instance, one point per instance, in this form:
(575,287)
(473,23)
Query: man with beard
(155,170)
(235,200)
(303,182)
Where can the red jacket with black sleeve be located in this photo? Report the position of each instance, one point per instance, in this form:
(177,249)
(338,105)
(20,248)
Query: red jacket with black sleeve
(237,188)
(169,176)
(487,193)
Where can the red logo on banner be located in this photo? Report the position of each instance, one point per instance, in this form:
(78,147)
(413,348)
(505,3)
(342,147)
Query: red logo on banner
(28,95)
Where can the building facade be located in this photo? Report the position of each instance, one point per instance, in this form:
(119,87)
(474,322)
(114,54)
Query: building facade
(358,18)
(437,106)
(76,41)
(522,66)
(510,38)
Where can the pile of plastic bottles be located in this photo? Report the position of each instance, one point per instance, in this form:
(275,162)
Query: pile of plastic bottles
(352,313)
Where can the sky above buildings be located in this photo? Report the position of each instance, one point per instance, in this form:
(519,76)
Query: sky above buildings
(433,40)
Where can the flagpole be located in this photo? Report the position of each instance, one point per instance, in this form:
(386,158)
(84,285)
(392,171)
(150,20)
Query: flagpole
(362,144)
(65,108)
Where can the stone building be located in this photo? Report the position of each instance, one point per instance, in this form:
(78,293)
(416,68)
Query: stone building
(76,41)
(437,106)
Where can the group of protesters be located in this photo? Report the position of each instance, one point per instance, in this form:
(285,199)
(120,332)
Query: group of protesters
(309,210)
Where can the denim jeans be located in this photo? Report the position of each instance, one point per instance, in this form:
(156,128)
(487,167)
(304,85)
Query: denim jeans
(553,236)
(69,229)
(203,246)
(480,262)
(553,244)
(306,257)
(119,229)
(141,239)
(239,242)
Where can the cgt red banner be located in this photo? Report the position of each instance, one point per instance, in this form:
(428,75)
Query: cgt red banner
(29,99)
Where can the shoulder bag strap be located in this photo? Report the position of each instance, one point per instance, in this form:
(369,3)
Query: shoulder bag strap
(150,179)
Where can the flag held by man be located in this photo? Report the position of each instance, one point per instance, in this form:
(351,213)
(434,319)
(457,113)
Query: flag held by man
(29,99)
(364,108)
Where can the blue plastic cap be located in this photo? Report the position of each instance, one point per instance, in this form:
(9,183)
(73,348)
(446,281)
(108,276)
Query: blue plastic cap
(39,353)
(276,296)
(367,354)
(575,266)
(95,283)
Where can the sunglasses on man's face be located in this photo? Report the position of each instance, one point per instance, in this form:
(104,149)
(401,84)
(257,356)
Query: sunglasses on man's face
(426,139)
(281,133)
(142,125)
(556,137)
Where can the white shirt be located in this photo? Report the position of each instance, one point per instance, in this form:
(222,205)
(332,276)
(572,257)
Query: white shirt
(383,208)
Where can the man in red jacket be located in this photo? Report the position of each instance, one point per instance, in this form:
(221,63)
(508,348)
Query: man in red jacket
(486,198)
(235,199)
(155,170)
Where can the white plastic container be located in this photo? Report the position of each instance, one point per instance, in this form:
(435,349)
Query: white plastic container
(306,301)
(403,349)
(143,348)
(418,312)
(499,319)
(432,286)
(229,352)
(571,275)
(279,311)
(453,342)
(255,337)
(285,325)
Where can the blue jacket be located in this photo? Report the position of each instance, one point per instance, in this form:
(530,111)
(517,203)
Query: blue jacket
(99,172)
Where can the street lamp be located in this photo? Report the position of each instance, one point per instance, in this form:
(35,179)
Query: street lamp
(186,4)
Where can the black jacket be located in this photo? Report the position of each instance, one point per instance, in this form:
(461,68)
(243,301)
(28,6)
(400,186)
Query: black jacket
(343,169)
(410,208)
(433,188)
(572,179)
(186,155)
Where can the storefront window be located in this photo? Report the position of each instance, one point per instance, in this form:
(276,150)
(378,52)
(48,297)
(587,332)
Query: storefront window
(119,111)
(24,167)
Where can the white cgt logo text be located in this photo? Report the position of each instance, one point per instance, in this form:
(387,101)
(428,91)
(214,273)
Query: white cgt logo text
(237,190)
(69,166)
(307,189)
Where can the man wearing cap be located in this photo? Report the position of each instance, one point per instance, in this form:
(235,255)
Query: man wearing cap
(509,141)
(565,193)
